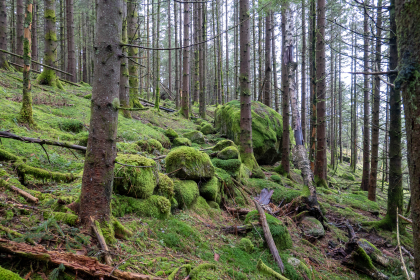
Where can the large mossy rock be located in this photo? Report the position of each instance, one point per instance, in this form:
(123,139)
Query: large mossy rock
(195,136)
(267,129)
(165,187)
(189,164)
(180,141)
(228,153)
(231,166)
(210,189)
(186,192)
(154,206)
(136,182)
(223,144)
(312,227)
(207,128)
(281,235)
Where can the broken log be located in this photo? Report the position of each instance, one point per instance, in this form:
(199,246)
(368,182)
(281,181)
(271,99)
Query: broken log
(102,242)
(405,219)
(237,210)
(6,134)
(26,195)
(85,267)
(239,229)
(269,237)
(160,107)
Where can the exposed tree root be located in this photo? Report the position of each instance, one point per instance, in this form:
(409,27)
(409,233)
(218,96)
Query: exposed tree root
(84,266)
(97,230)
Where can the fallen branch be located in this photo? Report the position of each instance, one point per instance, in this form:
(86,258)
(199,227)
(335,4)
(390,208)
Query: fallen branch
(238,229)
(160,107)
(19,191)
(6,134)
(237,210)
(269,237)
(405,219)
(102,242)
(132,109)
(84,266)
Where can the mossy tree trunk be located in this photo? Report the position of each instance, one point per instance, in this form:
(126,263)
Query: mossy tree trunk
(202,95)
(20,17)
(267,83)
(71,51)
(321,149)
(26,110)
(3,35)
(285,163)
(48,76)
(34,41)
(186,63)
(408,37)
(312,85)
(124,97)
(375,111)
(365,175)
(133,68)
(98,174)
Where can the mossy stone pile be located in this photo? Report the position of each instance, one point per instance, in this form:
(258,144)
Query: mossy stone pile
(267,129)
(195,136)
(207,128)
(180,141)
(189,164)
(150,145)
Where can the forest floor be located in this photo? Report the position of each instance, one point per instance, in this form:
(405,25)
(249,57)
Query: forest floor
(189,236)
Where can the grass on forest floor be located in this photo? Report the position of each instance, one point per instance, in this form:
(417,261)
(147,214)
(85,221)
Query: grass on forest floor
(158,247)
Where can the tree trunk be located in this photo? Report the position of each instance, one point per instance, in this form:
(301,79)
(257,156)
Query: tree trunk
(300,151)
(375,110)
(169,46)
(186,64)
(123,92)
(202,97)
(133,68)
(148,54)
(227,53)
(220,54)
(196,48)
(98,174)
(275,84)
(157,75)
(48,76)
(236,52)
(3,35)
(34,52)
(177,71)
(365,176)
(71,50)
(285,103)
(340,110)
(408,36)
(312,71)
(26,110)
(303,91)
(20,14)
(254,47)
(267,83)
(85,74)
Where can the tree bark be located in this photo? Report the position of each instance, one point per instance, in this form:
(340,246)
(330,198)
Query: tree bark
(408,37)
(20,14)
(133,68)
(186,64)
(26,110)
(312,85)
(3,34)
(157,75)
(227,53)
(202,97)
(267,83)
(285,103)
(48,76)
(177,70)
(169,46)
(375,110)
(98,174)
(303,91)
(321,154)
(34,52)
(124,86)
(366,136)
(275,83)
(71,50)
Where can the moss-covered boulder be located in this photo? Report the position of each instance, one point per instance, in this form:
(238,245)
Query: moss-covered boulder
(154,206)
(223,144)
(171,134)
(207,129)
(165,187)
(229,153)
(210,189)
(186,192)
(281,235)
(9,275)
(312,227)
(246,245)
(180,141)
(189,164)
(195,136)
(150,145)
(137,182)
(231,166)
(267,129)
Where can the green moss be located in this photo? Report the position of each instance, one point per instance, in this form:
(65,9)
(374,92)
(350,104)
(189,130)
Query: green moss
(267,271)
(190,163)
(67,218)
(246,245)
(276,178)
(228,153)
(7,156)
(186,267)
(135,181)
(223,144)
(232,166)
(179,141)
(197,272)
(280,194)
(128,148)
(214,205)
(170,133)
(88,96)
(348,176)
(71,125)
(207,129)
(279,231)
(202,208)
(49,14)
(165,187)
(210,189)
(120,230)
(150,145)
(195,137)
(320,183)
(8,275)
(280,170)
(359,201)
(154,206)
(186,192)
